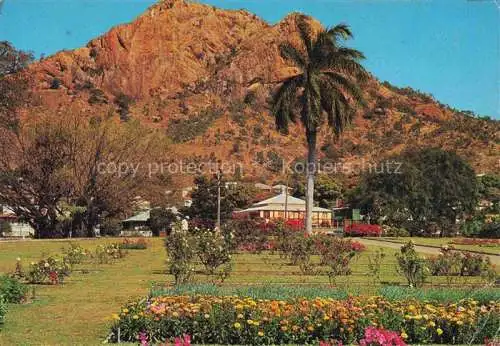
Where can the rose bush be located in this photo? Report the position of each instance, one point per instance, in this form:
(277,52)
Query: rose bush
(213,251)
(451,262)
(362,230)
(50,270)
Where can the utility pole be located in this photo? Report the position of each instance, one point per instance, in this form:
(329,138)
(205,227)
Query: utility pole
(218,199)
(286,198)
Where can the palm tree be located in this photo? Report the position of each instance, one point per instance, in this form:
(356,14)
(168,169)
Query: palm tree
(325,88)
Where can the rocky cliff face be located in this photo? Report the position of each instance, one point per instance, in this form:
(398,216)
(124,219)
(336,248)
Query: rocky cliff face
(205,76)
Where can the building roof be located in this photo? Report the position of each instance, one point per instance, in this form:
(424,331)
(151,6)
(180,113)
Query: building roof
(141,217)
(282,198)
(281,187)
(278,203)
(145,215)
(290,208)
(262,186)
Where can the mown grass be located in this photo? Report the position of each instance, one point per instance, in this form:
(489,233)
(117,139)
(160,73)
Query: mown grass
(487,249)
(78,312)
(269,291)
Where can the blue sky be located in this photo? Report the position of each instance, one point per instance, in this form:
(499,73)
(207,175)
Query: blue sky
(449,48)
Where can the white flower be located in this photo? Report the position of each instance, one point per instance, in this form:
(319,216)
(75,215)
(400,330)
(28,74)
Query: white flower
(18,259)
(46,265)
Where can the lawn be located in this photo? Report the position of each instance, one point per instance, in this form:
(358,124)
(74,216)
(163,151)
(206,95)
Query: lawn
(487,249)
(78,312)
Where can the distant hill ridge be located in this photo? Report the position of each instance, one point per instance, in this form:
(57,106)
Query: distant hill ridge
(205,75)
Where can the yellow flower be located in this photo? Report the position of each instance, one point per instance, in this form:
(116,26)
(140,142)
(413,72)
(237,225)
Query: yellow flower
(237,325)
(439,331)
(250,322)
(260,333)
(326,317)
(460,323)
(310,328)
(432,324)
(125,311)
(135,317)
(240,316)
(207,316)
(115,316)
(404,335)
(175,314)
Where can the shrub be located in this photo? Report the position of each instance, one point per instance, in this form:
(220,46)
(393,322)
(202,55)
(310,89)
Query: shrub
(75,254)
(213,251)
(411,266)
(55,84)
(390,231)
(97,97)
(107,253)
(51,270)
(12,290)
(302,248)
(335,253)
(3,311)
(5,228)
(137,244)
(111,227)
(362,230)
(181,252)
(460,263)
(375,265)
(490,230)
(184,130)
(274,162)
(246,235)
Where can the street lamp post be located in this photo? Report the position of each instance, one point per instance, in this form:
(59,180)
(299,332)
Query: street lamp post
(218,200)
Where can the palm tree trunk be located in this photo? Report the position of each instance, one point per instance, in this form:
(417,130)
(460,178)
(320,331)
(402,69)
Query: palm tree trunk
(310,173)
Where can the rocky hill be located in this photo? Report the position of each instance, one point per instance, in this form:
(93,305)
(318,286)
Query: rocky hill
(204,76)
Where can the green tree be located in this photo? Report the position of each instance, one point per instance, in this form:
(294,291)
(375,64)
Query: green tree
(14,87)
(326,190)
(419,190)
(489,190)
(204,198)
(326,87)
(161,219)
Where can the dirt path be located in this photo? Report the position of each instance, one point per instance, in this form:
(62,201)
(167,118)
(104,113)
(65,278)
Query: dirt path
(495,259)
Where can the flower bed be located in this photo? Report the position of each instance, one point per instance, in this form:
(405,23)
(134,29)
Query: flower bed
(476,241)
(134,244)
(233,320)
(363,230)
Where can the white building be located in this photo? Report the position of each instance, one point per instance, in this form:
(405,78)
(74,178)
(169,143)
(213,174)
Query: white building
(18,228)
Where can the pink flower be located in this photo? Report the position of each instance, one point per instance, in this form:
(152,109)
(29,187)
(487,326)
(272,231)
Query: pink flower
(184,341)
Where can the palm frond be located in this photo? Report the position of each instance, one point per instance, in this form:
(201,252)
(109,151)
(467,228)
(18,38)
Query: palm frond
(333,101)
(346,66)
(351,53)
(283,102)
(311,114)
(340,30)
(289,52)
(305,32)
(343,117)
(347,85)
